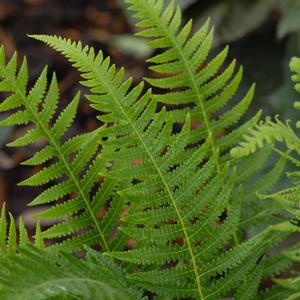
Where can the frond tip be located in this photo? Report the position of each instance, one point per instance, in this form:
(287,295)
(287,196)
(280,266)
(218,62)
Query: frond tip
(190,80)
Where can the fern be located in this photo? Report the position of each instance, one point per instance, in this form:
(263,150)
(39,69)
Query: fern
(192,82)
(47,276)
(75,162)
(267,132)
(190,79)
(185,205)
(166,193)
(9,241)
(270,131)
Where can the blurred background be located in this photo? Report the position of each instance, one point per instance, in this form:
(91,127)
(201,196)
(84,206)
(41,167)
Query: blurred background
(262,35)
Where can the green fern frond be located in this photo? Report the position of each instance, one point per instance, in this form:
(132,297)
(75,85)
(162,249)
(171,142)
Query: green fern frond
(192,83)
(270,131)
(94,277)
(76,162)
(11,238)
(191,80)
(267,132)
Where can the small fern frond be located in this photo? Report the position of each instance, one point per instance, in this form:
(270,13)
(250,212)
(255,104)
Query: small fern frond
(11,238)
(94,277)
(72,166)
(193,83)
(269,132)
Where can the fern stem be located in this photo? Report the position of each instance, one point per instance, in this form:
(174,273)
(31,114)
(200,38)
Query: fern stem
(64,160)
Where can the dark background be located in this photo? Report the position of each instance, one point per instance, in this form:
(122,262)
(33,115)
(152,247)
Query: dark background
(262,35)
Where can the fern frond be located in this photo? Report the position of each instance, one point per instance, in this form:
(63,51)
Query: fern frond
(202,86)
(11,238)
(94,277)
(192,81)
(267,132)
(182,194)
(75,164)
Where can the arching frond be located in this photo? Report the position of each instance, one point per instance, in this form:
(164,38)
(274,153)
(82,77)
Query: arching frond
(72,166)
(271,132)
